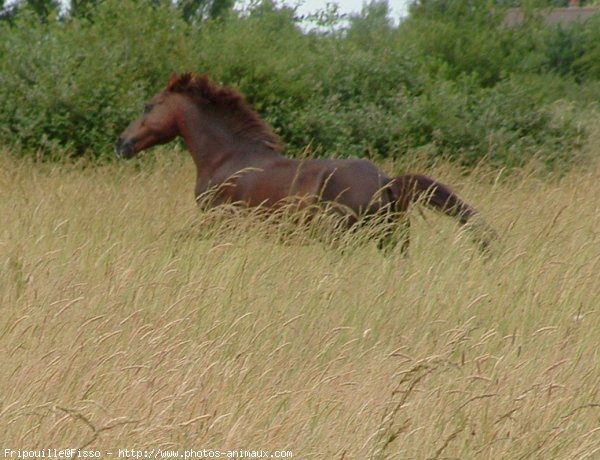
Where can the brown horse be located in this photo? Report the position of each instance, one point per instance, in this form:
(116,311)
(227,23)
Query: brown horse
(238,156)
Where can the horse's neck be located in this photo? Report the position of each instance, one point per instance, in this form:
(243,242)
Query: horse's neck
(206,142)
(214,148)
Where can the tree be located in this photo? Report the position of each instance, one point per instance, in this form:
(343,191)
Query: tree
(454,10)
(82,8)
(43,8)
(374,16)
(200,10)
(7,12)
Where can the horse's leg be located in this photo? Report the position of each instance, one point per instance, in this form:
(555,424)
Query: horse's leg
(404,234)
(396,231)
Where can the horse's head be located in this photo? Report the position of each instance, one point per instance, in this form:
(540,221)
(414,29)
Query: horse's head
(191,103)
(157,125)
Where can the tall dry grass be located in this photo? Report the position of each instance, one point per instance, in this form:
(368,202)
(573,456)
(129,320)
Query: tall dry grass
(128,321)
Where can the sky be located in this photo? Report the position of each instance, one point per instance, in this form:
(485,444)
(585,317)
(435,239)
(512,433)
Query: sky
(398,7)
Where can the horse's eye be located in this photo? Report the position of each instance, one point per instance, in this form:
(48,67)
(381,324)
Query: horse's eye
(148,108)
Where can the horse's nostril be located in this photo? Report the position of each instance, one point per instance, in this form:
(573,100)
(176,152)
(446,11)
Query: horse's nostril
(124,148)
(119,147)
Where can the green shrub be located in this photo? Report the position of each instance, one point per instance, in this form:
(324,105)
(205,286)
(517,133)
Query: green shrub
(71,85)
(467,90)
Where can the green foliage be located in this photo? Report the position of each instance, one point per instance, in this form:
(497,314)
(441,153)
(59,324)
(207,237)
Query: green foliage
(450,80)
(44,9)
(587,63)
(199,10)
(73,85)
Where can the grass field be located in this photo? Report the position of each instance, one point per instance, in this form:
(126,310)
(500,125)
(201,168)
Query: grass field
(127,322)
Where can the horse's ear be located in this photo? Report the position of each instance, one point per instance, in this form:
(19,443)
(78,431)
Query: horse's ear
(172,80)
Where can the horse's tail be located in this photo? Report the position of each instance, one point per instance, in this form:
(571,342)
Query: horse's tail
(418,188)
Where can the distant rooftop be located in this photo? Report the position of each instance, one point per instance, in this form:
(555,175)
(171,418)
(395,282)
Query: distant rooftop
(552,16)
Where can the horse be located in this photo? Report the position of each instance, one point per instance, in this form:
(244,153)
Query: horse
(239,157)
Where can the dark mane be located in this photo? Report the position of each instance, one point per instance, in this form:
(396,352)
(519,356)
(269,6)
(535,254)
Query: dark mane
(244,121)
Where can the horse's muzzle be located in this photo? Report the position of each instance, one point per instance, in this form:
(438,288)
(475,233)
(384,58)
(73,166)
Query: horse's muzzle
(123,149)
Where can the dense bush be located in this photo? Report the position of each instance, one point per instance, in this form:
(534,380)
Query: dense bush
(441,82)
(73,85)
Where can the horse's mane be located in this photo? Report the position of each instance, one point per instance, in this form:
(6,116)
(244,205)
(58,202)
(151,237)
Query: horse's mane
(236,111)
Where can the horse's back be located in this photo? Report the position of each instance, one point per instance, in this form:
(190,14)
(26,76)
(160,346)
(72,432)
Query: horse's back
(279,180)
(356,184)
